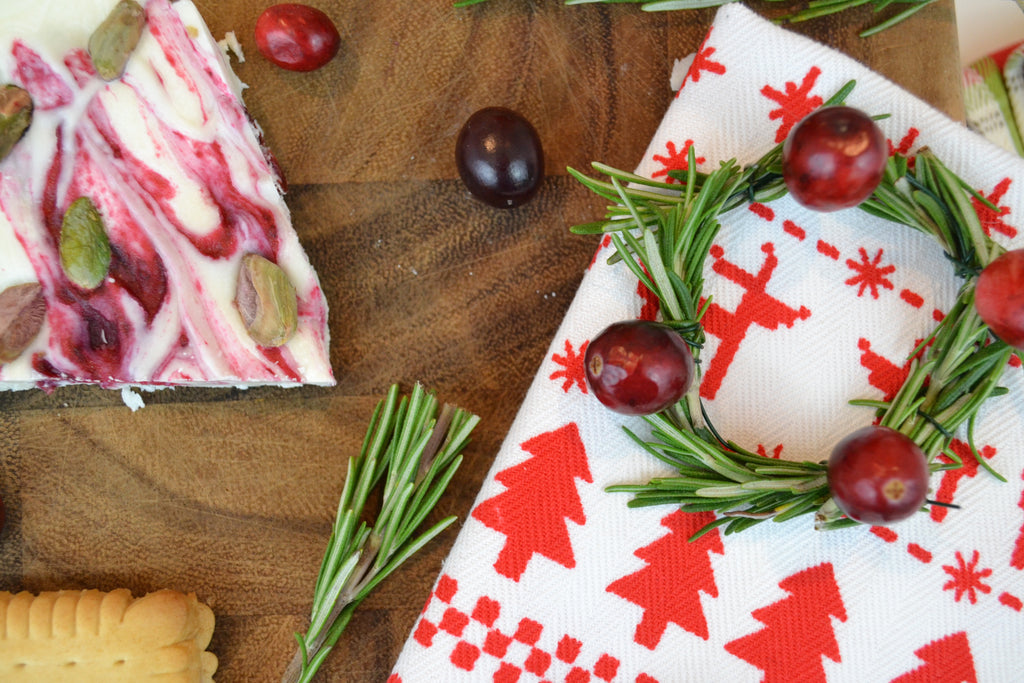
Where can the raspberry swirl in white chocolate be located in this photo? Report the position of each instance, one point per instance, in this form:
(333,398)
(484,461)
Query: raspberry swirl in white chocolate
(168,155)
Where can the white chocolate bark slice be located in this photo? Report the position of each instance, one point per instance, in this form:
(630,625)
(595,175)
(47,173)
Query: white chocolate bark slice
(170,158)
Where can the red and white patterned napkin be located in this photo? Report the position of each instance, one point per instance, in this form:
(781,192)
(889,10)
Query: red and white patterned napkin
(554,579)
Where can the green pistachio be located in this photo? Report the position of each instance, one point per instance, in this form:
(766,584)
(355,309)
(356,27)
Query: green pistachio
(114,40)
(15,117)
(266,300)
(22,311)
(84,246)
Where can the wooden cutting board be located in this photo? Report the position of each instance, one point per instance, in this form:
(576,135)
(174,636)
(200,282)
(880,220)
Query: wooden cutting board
(231,493)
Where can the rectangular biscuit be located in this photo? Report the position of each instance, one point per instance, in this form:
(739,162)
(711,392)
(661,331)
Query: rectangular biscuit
(91,636)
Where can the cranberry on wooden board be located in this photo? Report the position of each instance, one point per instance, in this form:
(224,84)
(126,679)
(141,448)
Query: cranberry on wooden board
(296,37)
(878,475)
(834,158)
(638,367)
(999,297)
(499,157)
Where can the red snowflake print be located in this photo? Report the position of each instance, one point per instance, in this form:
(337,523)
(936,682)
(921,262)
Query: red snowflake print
(702,62)
(677,160)
(870,274)
(966,578)
(795,102)
(993,220)
(763,452)
(572,371)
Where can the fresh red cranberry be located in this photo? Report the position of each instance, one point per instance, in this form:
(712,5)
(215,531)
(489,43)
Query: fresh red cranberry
(638,367)
(834,158)
(999,297)
(499,157)
(878,475)
(296,37)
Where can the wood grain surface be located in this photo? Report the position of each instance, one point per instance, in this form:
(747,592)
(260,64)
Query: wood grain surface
(231,493)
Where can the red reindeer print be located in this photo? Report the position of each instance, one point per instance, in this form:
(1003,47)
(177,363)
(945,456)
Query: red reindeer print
(756,307)
(702,62)
(905,143)
(993,219)
(677,160)
(951,478)
(870,274)
(795,102)
(572,372)
(966,578)
(884,374)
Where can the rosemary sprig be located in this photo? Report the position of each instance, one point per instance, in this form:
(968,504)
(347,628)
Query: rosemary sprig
(813,10)
(662,231)
(410,454)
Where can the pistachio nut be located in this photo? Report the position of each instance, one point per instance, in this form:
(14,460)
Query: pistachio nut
(114,40)
(84,245)
(266,300)
(22,311)
(15,117)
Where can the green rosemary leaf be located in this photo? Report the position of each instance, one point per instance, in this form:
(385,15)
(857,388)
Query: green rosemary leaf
(710,526)
(977,456)
(902,16)
(839,97)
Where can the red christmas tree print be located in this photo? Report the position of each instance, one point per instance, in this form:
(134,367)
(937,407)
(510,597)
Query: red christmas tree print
(1017,559)
(755,307)
(572,372)
(946,660)
(795,102)
(967,578)
(540,495)
(677,160)
(798,629)
(677,571)
(951,478)
(702,62)
(992,220)
(870,273)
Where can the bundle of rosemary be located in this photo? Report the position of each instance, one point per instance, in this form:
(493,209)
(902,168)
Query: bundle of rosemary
(411,451)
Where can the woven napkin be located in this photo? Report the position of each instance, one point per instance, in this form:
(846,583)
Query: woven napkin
(553,578)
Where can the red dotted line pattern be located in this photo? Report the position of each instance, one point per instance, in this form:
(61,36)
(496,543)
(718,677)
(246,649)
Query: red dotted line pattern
(824,248)
(925,556)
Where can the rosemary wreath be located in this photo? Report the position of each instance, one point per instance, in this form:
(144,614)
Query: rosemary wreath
(663,232)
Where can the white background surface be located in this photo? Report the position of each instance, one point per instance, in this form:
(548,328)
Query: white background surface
(986,26)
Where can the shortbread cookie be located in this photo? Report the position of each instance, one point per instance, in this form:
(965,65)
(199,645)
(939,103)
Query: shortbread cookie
(91,636)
